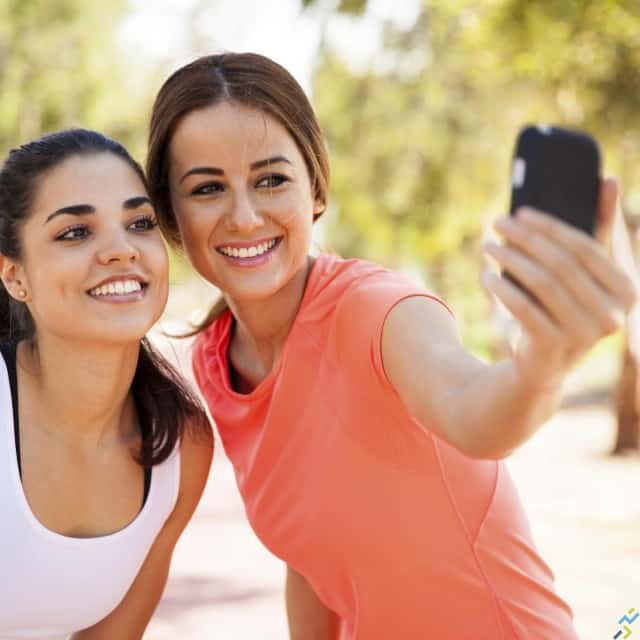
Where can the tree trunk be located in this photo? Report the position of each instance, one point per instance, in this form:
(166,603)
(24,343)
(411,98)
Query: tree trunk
(628,436)
(624,243)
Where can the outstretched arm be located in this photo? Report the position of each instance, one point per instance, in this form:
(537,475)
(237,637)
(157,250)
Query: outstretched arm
(579,296)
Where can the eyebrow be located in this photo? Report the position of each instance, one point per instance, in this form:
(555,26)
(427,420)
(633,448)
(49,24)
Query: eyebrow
(86,209)
(215,171)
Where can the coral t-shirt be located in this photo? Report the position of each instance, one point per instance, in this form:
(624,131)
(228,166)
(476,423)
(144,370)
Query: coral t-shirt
(398,532)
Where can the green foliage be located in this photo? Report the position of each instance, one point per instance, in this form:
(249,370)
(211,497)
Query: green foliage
(59,67)
(354,7)
(421,139)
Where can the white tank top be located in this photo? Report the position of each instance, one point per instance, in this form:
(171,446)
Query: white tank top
(53,585)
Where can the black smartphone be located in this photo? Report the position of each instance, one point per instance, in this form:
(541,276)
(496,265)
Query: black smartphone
(557,171)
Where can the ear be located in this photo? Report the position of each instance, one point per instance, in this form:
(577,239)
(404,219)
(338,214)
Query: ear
(319,207)
(13,277)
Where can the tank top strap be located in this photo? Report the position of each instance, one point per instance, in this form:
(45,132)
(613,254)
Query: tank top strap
(9,351)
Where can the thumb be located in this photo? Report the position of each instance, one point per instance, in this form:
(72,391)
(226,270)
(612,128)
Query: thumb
(607,205)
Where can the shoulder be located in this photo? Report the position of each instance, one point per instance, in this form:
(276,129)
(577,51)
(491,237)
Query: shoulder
(420,315)
(196,454)
(377,294)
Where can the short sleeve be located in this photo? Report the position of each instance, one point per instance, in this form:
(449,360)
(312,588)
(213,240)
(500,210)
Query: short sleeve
(361,315)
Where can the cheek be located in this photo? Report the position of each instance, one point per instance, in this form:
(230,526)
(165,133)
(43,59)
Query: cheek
(293,209)
(159,259)
(195,230)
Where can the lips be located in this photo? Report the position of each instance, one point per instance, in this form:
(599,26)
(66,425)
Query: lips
(118,286)
(243,250)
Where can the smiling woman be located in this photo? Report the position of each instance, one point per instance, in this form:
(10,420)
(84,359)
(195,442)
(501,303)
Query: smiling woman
(104,451)
(366,441)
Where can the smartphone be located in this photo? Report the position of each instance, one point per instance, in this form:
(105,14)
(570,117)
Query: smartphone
(557,171)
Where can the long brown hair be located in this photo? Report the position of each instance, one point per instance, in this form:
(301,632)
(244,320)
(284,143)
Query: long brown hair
(250,80)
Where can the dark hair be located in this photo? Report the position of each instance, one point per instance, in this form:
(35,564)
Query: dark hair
(250,80)
(164,402)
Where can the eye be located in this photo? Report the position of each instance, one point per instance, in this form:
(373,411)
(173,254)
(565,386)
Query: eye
(144,223)
(207,189)
(272,181)
(77,232)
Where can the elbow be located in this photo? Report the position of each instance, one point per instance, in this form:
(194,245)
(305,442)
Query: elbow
(485,451)
(479,446)
(478,443)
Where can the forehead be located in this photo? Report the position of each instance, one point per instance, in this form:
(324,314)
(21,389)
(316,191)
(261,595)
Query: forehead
(87,179)
(228,134)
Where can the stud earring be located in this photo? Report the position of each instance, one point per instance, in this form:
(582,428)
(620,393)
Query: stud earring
(22,293)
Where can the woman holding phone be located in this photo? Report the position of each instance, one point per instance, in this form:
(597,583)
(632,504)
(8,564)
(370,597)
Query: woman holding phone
(367,442)
(104,452)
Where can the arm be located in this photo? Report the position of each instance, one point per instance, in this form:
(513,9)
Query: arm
(308,618)
(488,410)
(130,618)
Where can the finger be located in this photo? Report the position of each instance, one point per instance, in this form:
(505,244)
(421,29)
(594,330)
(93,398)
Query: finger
(607,205)
(593,300)
(533,320)
(541,285)
(591,255)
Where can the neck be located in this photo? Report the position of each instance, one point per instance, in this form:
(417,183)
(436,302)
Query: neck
(262,326)
(79,390)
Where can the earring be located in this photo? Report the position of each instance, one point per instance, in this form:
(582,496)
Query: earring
(22,293)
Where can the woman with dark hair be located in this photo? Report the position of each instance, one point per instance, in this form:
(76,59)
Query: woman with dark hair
(367,443)
(104,451)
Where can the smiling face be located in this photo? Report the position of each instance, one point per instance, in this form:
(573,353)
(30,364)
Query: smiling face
(93,264)
(243,200)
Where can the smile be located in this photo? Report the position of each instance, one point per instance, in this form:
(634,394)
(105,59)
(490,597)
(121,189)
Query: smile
(249,251)
(128,289)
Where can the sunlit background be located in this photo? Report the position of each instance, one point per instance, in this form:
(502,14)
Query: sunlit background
(420,102)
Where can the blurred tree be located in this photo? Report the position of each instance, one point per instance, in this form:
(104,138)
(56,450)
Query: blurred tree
(59,66)
(421,136)
(595,83)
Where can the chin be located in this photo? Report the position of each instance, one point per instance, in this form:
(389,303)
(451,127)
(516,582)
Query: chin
(118,335)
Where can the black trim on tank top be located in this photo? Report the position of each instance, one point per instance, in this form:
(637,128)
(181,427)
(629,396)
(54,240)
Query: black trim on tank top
(9,353)
(8,350)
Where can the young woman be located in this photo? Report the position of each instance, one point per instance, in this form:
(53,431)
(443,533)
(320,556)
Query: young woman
(367,443)
(104,453)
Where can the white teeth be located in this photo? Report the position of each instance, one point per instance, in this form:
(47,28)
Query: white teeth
(248,252)
(120,287)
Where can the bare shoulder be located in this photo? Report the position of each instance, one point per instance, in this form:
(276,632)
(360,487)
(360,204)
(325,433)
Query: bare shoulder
(426,362)
(196,453)
(420,319)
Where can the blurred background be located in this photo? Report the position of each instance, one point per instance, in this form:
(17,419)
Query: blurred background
(420,101)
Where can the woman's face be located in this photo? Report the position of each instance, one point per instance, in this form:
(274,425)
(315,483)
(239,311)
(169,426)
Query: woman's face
(242,198)
(94,265)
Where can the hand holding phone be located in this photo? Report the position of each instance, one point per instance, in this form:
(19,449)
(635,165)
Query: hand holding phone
(570,293)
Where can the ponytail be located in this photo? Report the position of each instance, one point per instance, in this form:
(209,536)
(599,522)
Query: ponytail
(166,406)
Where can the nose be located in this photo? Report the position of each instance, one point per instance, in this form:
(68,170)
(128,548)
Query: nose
(243,215)
(118,248)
